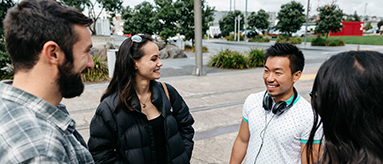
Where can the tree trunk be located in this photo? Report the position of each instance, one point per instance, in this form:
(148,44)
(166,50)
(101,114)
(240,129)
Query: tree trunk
(327,35)
(93,27)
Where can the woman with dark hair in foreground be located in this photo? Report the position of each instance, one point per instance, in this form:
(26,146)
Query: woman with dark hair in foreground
(139,120)
(347,94)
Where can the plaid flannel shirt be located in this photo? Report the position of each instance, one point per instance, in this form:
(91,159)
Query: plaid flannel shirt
(34,131)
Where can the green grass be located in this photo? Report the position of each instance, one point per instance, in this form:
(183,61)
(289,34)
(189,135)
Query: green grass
(367,40)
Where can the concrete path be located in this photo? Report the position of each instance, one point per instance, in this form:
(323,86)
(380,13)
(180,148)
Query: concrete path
(215,100)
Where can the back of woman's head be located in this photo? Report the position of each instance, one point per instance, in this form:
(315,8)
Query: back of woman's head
(346,94)
(131,50)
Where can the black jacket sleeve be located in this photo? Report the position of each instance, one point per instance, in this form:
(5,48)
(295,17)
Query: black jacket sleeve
(184,119)
(103,135)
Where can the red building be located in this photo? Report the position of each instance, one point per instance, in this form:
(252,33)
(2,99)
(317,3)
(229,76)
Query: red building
(350,29)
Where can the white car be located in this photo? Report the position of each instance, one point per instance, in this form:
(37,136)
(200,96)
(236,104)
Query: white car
(301,33)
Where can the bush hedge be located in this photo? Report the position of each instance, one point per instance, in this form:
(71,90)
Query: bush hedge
(231,37)
(259,39)
(99,72)
(189,48)
(6,71)
(286,39)
(319,41)
(227,58)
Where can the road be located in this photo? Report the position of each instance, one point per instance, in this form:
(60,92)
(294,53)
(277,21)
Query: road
(215,100)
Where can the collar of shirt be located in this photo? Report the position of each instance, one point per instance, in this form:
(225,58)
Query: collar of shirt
(56,115)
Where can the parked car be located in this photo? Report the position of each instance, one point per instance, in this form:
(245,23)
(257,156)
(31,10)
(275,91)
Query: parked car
(250,33)
(301,33)
(217,35)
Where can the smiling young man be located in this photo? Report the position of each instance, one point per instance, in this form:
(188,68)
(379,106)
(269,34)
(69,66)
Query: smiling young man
(276,123)
(49,46)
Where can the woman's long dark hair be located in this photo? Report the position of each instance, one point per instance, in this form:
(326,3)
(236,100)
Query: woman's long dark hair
(124,73)
(347,95)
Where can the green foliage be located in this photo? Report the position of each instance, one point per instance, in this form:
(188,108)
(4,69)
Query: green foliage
(227,58)
(290,17)
(4,58)
(189,48)
(368,26)
(330,18)
(98,73)
(380,24)
(319,41)
(231,37)
(286,39)
(141,19)
(352,17)
(226,24)
(4,6)
(256,57)
(168,16)
(186,10)
(259,39)
(258,20)
(111,6)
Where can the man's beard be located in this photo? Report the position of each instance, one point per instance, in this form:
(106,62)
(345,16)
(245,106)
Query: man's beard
(70,83)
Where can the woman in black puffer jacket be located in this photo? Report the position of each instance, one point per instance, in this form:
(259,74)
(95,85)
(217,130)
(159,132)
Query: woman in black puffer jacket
(127,128)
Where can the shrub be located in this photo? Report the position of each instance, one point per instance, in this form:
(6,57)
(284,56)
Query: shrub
(285,39)
(228,59)
(231,37)
(189,48)
(256,57)
(260,39)
(233,59)
(5,62)
(98,73)
(319,41)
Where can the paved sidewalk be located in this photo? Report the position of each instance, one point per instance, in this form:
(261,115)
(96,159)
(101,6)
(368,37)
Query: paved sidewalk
(215,102)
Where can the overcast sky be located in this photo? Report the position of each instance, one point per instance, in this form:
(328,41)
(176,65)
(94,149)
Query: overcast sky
(374,7)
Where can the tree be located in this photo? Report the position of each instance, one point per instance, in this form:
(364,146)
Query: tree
(4,6)
(110,6)
(330,19)
(186,20)
(368,26)
(259,20)
(380,24)
(4,56)
(291,17)
(140,20)
(226,24)
(356,17)
(167,16)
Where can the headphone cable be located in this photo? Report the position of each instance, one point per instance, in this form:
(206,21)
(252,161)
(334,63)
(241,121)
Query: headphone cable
(262,137)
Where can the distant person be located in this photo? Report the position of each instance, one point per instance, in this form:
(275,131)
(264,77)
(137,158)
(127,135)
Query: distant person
(347,94)
(381,30)
(49,46)
(140,120)
(276,123)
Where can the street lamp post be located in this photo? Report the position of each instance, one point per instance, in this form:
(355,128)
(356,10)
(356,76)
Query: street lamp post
(198,69)
(307,20)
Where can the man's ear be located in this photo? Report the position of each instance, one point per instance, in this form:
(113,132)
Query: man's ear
(52,53)
(297,76)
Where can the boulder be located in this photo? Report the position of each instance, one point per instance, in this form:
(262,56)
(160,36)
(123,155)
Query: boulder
(161,44)
(101,50)
(171,51)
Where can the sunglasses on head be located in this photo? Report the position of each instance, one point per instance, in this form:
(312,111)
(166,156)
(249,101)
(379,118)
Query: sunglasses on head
(136,38)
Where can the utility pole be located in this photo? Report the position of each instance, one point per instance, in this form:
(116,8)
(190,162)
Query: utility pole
(230,5)
(198,69)
(235,27)
(239,25)
(365,8)
(307,20)
(245,19)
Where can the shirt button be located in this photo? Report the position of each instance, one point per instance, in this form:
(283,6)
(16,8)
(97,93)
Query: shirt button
(71,124)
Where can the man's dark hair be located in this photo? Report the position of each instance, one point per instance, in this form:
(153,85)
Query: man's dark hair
(32,23)
(297,60)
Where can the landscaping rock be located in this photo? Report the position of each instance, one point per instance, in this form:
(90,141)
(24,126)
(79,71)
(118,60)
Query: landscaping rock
(171,51)
(101,50)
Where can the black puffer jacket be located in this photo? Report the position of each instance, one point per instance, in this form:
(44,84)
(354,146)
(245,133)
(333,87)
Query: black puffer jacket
(126,137)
